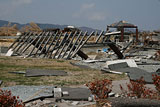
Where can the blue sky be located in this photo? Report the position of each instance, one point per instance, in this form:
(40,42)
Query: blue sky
(91,13)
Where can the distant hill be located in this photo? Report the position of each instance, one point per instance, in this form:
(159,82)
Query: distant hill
(46,26)
(89,30)
(5,23)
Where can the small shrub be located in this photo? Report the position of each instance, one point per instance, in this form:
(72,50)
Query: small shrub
(138,89)
(100,89)
(156,81)
(7,100)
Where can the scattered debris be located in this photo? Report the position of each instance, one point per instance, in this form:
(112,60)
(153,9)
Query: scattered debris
(75,103)
(57,92)
(65,93)
(9,53)
(117,95)
(131,69)
(125,66)
(111,94)
(31,93)
(119,63)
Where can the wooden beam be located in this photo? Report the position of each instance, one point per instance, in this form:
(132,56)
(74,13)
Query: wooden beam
(122,34)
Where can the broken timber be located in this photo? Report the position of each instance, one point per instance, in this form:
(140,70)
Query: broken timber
(57,45)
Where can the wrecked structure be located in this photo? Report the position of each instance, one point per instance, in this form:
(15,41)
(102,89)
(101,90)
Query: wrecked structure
(120,26)
(59,45)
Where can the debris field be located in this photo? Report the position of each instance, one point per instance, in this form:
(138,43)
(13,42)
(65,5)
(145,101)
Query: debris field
(135,58)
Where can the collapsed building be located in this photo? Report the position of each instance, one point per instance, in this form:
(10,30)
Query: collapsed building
(70,43)
(58,45)
(121,26)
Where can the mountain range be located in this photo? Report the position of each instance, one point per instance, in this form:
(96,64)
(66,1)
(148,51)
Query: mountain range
(46,26)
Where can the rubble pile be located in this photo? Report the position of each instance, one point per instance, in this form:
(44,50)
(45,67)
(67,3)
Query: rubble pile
(133,58)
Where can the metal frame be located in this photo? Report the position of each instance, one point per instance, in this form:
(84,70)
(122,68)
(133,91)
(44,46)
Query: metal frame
(55,45)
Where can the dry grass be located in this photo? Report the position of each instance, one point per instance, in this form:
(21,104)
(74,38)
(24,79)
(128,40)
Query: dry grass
(8,30)
(76,76)
(7,40)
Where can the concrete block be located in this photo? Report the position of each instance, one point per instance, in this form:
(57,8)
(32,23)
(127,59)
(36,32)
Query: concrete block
(91,98)
(90,61)
(118,65)
(104,70)
(138,59)
(75,103)
(57,92)
(149,56)
(9,53)
(130,62)
(111,94)
(65,93)
(46,102)
(117,95)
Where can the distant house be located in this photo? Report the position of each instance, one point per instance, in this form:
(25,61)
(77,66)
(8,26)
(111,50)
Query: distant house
(120,26)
